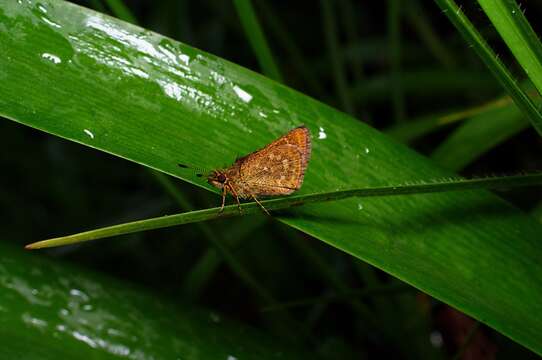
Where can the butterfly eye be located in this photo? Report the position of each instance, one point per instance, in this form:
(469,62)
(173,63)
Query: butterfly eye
(221,178)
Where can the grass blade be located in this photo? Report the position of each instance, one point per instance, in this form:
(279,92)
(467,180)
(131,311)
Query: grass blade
(522,100)
(517,33)
(121,11)
(417,128)
(394,34)
(284,203)
(336,61)
(255,35)
(478,135)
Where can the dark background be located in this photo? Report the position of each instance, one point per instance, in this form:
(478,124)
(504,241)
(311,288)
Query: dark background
(80,188)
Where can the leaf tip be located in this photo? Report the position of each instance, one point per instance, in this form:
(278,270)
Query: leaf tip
(34,245)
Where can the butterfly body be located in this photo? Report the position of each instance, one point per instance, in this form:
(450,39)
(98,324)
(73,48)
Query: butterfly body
(277,169)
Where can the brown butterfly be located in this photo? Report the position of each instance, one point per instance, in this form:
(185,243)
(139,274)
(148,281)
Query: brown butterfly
(277,169)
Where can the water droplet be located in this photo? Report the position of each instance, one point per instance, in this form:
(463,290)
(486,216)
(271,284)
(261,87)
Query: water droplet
(52,58)
(243,95)
(322,133)
(184,58)
(262,114)
(117,349)
(30,294)
(231,357)
(34,322)
(90,134)
(138,72)
(360,206)
(52,23)
(84,338)
(173,91)
(114,332)
(79,294)
(366,150)
(218,78)
(436,339)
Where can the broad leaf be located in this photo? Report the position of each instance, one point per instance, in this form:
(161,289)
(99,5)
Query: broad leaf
(52,311)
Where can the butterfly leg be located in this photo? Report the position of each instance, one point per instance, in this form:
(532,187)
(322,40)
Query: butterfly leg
(234,193)
(224,193)
(259,203)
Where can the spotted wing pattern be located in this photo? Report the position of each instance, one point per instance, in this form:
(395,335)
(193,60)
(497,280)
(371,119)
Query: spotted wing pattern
(278,171)
(278,168)
(299,137)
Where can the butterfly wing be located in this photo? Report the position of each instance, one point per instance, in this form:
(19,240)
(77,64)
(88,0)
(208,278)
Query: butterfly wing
(277,169)
(274,170)
(299,137)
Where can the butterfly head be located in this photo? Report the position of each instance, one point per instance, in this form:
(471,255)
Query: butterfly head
(217,178)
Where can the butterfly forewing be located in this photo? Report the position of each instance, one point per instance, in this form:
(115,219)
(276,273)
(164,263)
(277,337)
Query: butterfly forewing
(277,170)
(299,137)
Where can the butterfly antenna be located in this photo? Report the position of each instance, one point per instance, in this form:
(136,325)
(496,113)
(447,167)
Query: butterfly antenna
(198,171)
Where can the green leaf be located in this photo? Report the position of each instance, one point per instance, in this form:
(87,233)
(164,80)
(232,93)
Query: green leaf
(335,60)
(124,90)
(255,35)
(425,83)
(56,311)
(418,17)
(469,32)
(510,22)
(416,128)
(478,135)
(394,35)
